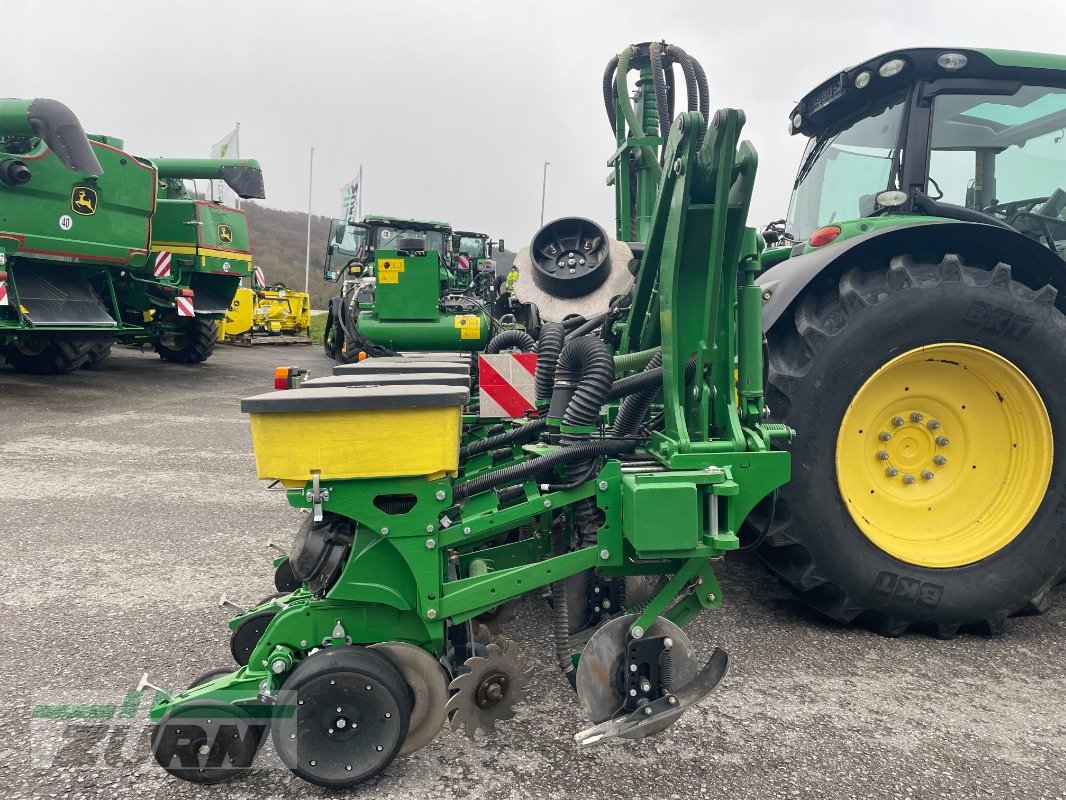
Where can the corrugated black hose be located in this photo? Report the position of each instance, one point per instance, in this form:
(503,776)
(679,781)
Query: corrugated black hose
(510,339)
(635,407)
(549,345)
(519,435)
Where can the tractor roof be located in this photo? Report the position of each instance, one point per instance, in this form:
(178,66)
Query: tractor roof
(471,234)
(370,219)
(866,84)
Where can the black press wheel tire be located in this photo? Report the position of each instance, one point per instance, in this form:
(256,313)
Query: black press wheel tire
(352,712)
(193,345)
(46,355)
(844,332)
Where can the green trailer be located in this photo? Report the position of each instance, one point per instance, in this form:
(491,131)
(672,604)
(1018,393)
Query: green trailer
(100,246)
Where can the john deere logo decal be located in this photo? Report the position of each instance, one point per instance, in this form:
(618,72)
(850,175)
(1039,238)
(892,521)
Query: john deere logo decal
(83,201)
(225,234)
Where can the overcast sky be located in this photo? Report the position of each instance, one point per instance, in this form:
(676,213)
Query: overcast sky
(453,107)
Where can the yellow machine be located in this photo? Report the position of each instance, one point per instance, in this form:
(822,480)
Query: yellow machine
(271,315)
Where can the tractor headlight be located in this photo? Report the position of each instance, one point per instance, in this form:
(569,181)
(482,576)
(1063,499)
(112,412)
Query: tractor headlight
(891,67)
(862,80)
(952,61)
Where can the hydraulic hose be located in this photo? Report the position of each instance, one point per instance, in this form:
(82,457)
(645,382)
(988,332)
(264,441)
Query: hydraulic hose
(510,339)
(632,362)
(519,435)
(662,105)
(587,327)
(645,379)
(635,407)
(549,345)
(518,473)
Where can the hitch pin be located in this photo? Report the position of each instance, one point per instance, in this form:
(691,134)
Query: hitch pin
(224,602)
(272,546)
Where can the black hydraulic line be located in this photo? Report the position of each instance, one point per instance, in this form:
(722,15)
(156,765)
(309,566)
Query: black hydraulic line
(642,380)
(573,321)
(510,339)
(590,325)
(519,435)
(549,345)
(521,472)
(635,407)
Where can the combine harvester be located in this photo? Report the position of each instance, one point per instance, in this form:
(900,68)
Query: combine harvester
(100,246)
(653,443)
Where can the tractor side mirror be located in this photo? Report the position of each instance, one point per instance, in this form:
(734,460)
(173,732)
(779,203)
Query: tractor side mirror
(499,245)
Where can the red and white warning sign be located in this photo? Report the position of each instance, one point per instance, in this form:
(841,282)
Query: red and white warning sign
(506,381)
(463,262)
(3,293)
(258,278)
(162,265)
(185,307)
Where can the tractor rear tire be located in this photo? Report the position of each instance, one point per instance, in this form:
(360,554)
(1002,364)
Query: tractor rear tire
(905,511)
(193,346)
(47,355)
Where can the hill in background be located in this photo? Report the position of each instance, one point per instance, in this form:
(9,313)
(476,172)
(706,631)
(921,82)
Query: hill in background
(279,247)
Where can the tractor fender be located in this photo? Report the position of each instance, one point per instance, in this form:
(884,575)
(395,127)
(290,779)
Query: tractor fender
(1032,264)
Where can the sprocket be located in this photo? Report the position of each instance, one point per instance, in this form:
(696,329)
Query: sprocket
(490,687)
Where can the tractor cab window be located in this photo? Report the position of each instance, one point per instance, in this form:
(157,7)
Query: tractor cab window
(845,167)
(473,246)
(385,238)
(347,247)
(1004,155)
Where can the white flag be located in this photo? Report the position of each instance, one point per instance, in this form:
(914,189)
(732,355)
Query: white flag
(228,147)
(351,202)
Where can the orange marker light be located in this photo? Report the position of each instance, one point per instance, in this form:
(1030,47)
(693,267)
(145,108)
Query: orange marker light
(823,236)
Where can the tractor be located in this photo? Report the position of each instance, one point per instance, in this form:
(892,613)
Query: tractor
(913,305)
(404,288)
(413,538)
(102,246)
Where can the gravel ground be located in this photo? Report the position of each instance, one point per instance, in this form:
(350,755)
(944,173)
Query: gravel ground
(129,503)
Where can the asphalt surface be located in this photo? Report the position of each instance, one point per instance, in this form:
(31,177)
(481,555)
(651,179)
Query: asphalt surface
(129,503)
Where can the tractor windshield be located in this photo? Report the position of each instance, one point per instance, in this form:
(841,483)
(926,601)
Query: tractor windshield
(1005,155)
(473,246)
(844,168)
(384,238)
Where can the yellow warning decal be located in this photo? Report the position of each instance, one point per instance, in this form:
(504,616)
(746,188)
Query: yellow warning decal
(389,270)
(469,326)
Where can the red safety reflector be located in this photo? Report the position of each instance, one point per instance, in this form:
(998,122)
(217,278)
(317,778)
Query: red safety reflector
(823,236)
(186,292)
(3,275)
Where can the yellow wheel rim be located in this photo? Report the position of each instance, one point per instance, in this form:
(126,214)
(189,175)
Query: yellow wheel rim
(944,455)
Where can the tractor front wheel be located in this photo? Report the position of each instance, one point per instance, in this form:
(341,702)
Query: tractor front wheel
(194,343)
(928,487)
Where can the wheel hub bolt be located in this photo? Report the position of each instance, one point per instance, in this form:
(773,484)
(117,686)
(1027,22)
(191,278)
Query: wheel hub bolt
(884,436)
(940,460)
(341,723)
(204,749)
(943,441)
(897,421)
(882,455)
(892,472)
(933,425)
(916,416)
(908,479)
(927,475)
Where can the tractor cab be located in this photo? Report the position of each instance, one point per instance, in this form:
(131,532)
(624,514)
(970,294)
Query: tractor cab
(966,135)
